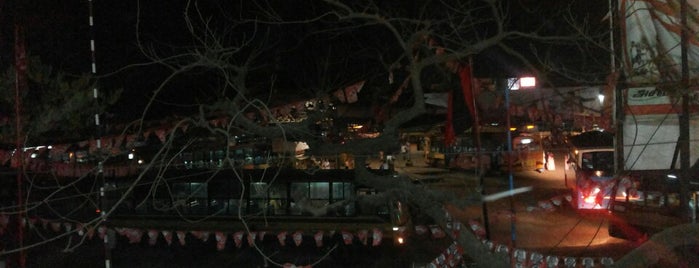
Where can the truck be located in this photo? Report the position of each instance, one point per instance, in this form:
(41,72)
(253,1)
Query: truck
(656,180)
(648,187)
(591,156)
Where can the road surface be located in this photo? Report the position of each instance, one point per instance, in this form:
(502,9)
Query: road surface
(544,221)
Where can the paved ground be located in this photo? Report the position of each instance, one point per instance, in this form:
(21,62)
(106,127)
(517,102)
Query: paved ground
(544,221)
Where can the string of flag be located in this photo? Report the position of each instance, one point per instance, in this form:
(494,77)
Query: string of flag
(450,257)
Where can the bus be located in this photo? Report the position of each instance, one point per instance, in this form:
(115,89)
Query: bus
(268,199)
(592,158)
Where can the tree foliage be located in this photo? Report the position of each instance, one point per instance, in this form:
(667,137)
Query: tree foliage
(54,107)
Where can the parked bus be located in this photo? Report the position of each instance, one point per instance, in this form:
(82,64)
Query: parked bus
(267,199)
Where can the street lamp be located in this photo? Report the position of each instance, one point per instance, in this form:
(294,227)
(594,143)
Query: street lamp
(513,84)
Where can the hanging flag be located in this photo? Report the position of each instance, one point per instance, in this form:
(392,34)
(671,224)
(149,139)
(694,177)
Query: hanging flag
(319,238)
(78,226)
(437,232)
(101,231)
(168,237)
(454,229)
(466,79)
(282,238)
(376,237)
(449,133)
(362,235)
(152,237)
(221,238)
(251,238)
(238,238)
(298,238)
(350,93)
(477,228)
(347,237)
(461,110)
(201,235)
(261,236)
(134,235)
(181,235)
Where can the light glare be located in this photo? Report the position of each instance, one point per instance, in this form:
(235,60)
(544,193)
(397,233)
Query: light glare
(527,82)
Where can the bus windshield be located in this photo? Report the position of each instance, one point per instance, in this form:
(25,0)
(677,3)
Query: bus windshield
(599,160)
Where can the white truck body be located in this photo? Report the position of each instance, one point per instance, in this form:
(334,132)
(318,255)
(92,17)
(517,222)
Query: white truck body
(651,130)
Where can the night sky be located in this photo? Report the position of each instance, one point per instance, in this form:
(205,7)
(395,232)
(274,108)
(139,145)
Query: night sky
(59,33)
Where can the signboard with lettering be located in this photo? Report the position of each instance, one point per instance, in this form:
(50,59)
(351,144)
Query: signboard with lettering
(648,101)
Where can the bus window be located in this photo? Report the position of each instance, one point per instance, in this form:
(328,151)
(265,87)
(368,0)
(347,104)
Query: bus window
(309,195)
(224,197)
(319,191)
(258,197)
(319,194)
(278,199)
(602,160)
(191,197)
(343,191)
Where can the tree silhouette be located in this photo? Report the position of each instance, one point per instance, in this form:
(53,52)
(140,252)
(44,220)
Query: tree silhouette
(224,71)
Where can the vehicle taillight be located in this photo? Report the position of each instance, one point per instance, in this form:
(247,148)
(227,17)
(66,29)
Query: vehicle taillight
(592,197)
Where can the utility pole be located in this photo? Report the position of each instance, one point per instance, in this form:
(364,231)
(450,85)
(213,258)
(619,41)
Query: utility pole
(480,171)
(20,84)
(684,116)
(99,176)
(618,110)
(508,125)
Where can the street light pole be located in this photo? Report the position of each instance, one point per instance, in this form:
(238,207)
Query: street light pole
(509,166)
(520,83)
